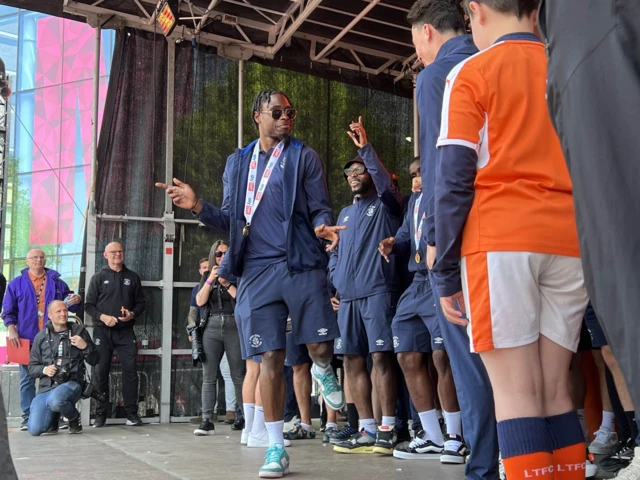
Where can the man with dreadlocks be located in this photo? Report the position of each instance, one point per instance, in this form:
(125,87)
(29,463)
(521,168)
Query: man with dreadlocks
(276,210)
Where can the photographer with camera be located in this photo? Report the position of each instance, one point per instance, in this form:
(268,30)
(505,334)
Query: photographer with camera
(57,358)
(216,334)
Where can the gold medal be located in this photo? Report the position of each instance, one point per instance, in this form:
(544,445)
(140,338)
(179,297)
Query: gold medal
(245,230)
(417,257)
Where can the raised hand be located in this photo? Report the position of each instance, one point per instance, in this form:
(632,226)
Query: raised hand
(358,134)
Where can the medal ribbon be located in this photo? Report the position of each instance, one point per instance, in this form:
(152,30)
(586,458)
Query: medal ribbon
(417,227)
(253,199)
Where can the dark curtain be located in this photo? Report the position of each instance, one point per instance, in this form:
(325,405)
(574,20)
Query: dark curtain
(131,156)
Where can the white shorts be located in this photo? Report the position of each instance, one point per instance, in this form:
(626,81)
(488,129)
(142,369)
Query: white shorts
(513,297)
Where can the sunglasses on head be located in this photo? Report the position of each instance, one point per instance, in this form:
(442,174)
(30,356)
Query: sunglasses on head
(219,254)
(277,113)
(358,169)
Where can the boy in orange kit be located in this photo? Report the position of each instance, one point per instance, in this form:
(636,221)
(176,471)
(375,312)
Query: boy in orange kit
(507,238)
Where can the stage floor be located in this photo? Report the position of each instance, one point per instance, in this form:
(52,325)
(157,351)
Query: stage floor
(161,452)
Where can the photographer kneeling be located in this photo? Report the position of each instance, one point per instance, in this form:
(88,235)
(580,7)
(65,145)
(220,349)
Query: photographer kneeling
(57,358)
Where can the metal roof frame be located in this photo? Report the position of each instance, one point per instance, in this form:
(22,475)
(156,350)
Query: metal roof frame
(353,35)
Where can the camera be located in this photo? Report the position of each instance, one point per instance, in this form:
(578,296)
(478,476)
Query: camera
(90,391)
(197,352)
(61,376)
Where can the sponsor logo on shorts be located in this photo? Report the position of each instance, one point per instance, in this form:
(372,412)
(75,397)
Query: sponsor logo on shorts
(370,211)
(379,342)
(127,282)
(437,340)
(255,341)
(396,342)
(322,331)
(97,341)
(338,344)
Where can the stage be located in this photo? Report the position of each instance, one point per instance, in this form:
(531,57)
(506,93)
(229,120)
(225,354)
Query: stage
(164,452)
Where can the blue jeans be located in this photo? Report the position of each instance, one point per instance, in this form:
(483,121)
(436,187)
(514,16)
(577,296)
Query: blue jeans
(27,391)
(475,397)
(59,400)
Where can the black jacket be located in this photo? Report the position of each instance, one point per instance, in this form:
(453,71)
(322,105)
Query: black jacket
(109,291)
(44,352)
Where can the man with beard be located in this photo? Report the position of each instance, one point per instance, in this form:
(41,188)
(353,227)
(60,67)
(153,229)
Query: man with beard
(369,288)
(276,205)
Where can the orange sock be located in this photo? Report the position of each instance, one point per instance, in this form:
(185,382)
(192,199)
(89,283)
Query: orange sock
(525,445)
(569,451)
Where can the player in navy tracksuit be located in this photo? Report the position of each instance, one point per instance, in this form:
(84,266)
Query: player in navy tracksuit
(416,332)
(275,206)
(438,34)
(369,288)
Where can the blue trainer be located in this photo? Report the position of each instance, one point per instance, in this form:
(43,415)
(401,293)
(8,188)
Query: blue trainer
(276,463)
(331,390)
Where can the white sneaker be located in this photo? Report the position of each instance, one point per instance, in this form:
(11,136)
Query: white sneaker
(591,469)
(632,472)
(261,440)
(291,423)
(244,437)
(605,442)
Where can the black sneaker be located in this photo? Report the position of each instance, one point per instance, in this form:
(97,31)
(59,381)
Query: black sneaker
(386,440)
(419,448)
(614,463)
(75,426)
(361,442)
(455,450)
(345,434)
(238,424)
(100,421)
(53,429)
(24,425)
(404,435)
(133,420)
(205,428)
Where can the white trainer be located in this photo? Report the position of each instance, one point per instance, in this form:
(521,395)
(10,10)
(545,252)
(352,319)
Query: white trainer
(605,442)
(632,472)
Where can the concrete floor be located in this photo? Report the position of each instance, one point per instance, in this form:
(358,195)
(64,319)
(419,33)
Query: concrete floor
(160,452)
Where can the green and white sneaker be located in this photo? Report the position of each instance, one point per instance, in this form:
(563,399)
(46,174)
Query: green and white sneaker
(276,463)
(331,390)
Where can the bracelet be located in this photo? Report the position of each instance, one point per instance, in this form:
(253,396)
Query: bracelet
(208,282)
(195,204)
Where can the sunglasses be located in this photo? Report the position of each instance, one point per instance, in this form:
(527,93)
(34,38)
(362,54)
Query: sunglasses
(219,254)
(358,169)
(277,113)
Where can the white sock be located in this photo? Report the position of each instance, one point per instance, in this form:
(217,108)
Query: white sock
(258,421)
(388,421)
(306,426)
(332,425)
(369,425)
(431,426)
(276,436)
(608,421)
(321,370)
(249,411)
(454,422)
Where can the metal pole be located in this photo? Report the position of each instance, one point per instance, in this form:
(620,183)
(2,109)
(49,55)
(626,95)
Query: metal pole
(240,101)
(169,239)
(416,123)
(90,267)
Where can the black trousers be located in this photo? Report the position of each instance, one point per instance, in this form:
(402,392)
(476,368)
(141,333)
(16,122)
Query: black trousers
(594,101)
(125,344)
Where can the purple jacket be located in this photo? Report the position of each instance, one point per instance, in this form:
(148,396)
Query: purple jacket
(19,304)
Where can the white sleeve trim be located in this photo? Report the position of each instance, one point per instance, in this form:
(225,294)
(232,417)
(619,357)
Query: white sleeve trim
(453,141)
